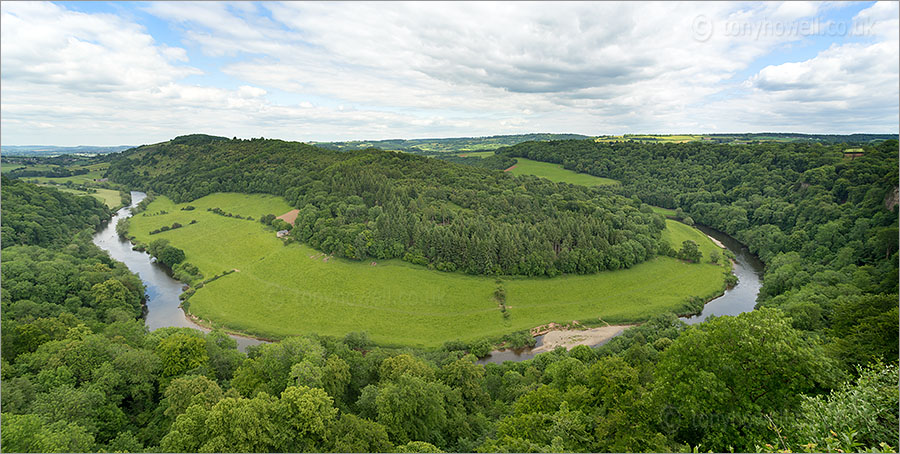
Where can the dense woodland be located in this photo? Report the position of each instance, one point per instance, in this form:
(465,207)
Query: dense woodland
(384,205)
(45,217)
(813,369)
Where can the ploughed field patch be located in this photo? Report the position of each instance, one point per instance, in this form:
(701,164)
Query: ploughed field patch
(289,217)
(288,289)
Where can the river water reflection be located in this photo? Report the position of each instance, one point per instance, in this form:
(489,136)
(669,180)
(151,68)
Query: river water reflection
(162,290)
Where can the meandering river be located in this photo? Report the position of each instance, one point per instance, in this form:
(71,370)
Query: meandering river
(741,298)
(163,305)
(162,290)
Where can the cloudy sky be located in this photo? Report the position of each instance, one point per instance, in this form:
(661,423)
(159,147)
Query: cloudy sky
(108,73)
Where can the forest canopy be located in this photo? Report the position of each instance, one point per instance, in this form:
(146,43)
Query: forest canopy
(378,204)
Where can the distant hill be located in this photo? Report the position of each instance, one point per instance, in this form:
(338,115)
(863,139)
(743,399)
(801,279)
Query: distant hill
(49,150)
(446,145)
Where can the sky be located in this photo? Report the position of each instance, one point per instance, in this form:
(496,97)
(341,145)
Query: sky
(131,73)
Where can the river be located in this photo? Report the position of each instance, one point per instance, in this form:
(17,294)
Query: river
(162,290)
(741,298)
(163,305)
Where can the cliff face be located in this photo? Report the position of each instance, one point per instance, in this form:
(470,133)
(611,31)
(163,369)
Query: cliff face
(892,199)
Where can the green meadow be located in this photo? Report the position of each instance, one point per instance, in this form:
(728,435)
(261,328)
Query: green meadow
(677,233)
(650,138)
(95,171)
(476,154)
(280,290)
(556,172)
(668,212)
(110,197)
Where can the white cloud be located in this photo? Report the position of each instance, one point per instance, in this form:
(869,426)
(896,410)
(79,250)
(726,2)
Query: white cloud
(373,70)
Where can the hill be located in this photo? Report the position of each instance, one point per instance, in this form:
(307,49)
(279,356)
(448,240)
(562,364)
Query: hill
(383,205)
(446,145)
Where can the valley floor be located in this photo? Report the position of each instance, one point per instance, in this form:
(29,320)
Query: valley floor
(281,290)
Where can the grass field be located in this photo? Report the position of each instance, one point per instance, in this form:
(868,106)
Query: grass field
(556,172)
(645,138)
(283,290)
(676,233)
(7,166)
(95,171)
(110,197)
(476,154)
(663,211)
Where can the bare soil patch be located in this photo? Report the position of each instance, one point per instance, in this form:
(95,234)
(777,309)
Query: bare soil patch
(289,217)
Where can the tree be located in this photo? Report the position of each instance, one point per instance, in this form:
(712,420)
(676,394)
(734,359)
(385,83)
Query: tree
(690,252)
(170,256)
(31,433)
(411,408)
(714,256)
(354,434)
(156,246)
(184,392)
(715,383)
(859,415)
(305,416)
(180,353)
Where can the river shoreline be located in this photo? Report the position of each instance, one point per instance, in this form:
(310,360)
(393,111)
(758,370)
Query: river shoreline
(573,338)
(163,306)
(161,299)
(730,301)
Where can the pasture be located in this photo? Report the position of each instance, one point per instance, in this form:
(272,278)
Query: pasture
(280,290)
(95,172)
(668,212)
(476,154)
(556,172)
(677,233)
(650,138)
(110,197)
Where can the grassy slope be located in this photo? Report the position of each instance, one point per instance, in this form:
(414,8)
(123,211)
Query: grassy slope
(284,290)
(676,233)
(110,197)
(556,172)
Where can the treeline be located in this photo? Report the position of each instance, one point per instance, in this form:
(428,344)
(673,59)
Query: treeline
(54,172)
(376,204)
(43,216)
(825,225)
(496,162)
(81,373)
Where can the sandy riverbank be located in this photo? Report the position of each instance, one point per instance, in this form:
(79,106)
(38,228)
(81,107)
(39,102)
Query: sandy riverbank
(572,338)
(717,242)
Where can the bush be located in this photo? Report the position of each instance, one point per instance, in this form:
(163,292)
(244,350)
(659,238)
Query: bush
(690,252)
(170,256)
(480,348)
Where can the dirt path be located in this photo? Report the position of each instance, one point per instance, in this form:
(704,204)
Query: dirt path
(572,338)
(511,167)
